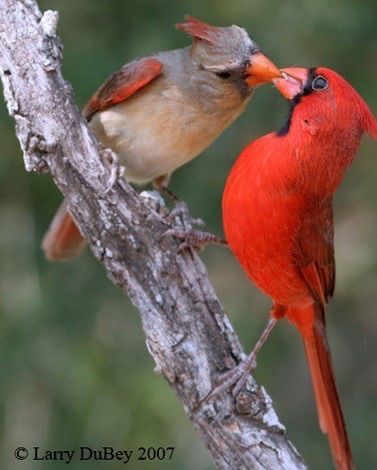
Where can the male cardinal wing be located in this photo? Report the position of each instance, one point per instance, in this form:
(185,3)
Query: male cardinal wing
(315,251)
(315,261)
(123,83)
(63,239)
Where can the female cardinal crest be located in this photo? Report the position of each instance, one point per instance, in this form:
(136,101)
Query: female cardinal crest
(199,30)
(159,112)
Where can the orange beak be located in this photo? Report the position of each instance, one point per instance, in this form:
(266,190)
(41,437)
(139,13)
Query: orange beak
(292,83)
(260,70)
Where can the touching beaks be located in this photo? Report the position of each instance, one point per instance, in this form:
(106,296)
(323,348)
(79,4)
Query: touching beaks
(260,70)
(292,81)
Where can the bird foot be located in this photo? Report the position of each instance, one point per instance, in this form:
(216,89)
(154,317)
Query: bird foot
(180,211)
(161,184)
(240,373)
(116,170)
(195,239)
(165,190)
(235,378)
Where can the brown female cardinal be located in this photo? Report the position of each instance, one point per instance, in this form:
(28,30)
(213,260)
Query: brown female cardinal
(278,221)
(159,112)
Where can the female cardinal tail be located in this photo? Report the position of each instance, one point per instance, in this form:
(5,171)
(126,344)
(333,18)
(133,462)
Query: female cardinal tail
(328,404)
(63,239)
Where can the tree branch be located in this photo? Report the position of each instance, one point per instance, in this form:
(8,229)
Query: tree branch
(187,332)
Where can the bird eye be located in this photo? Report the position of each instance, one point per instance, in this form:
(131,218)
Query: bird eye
(320,83)
(224,75)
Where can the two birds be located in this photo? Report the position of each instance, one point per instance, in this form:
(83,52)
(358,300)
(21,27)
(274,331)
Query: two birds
(161,111)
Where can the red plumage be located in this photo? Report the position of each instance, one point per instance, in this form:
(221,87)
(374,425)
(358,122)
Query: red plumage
(277,214)
(63,239)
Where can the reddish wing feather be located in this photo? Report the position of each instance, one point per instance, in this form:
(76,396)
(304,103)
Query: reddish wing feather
(315,252)
(122,84)
(315,260)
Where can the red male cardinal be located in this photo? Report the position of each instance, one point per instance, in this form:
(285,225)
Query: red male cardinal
(278,221)
(159,112)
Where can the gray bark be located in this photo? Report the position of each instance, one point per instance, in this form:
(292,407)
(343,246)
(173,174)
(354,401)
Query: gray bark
(187,333)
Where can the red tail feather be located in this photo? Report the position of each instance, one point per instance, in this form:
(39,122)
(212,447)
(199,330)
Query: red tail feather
(328,404)
(63,239)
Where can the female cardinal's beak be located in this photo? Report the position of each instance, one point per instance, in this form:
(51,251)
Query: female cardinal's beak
(292,83)
(260,70)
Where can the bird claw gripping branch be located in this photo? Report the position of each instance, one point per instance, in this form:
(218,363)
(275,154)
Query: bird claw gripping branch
(116,170)
(195,239)
(278,220)
(180,215)
(240,373)
(141,111)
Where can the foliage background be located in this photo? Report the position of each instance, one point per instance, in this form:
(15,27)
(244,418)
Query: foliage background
(74,368)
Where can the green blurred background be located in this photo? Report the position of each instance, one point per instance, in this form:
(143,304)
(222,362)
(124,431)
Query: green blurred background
(74,366)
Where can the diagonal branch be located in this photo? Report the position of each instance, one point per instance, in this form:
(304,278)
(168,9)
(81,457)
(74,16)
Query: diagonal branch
(187,332)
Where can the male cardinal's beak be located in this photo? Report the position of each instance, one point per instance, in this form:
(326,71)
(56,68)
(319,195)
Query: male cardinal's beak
(260,70)
(293,81)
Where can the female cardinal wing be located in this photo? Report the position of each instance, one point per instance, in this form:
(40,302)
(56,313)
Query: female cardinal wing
(123,83)
(63,239)
(315,251)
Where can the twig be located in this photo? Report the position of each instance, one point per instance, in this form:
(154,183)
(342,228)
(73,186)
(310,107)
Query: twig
(187,332)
